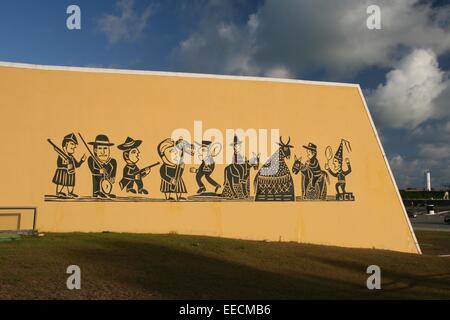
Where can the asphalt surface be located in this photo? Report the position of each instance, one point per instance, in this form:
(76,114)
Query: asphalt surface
(430,223)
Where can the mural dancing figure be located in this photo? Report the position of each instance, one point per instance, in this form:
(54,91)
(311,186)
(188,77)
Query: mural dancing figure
(237,174)
(274,182)
(206,154)
(132,175)
(314,179)
(338,172)
(66,164)
(171,171)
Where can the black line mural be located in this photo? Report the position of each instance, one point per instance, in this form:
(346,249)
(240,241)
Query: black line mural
(132,175)
(237,175)
(66,164)
(272,182)
(338,172)
(102,166)
(172,154)
(314,179)
(206,153)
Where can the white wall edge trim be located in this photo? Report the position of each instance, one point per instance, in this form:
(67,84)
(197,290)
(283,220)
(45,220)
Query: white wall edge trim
(168,74)
(389,170)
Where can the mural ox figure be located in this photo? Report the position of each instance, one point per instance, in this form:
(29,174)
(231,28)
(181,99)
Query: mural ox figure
(274,181)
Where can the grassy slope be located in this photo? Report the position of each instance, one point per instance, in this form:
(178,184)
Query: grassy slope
(189,267)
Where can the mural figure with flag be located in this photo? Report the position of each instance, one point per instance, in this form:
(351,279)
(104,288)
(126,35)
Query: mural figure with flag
(338,171)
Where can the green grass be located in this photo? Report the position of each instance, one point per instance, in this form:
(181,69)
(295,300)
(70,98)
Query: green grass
(131,266)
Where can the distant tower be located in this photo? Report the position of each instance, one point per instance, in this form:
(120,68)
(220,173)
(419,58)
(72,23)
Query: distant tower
(428,180)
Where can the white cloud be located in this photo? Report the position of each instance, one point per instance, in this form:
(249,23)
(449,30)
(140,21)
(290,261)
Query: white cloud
(431,150)
(405,172)
(435,151)
(408,97)
(443,102)
(410,172)
(278,72)
(316,35)
(436,132)
(128,25)
(291,38)
(402,168)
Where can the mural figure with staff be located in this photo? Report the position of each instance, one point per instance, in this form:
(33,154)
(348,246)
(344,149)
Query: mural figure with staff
(172,153)
(66,164)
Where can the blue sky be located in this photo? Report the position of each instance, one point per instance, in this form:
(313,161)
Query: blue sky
(403,68)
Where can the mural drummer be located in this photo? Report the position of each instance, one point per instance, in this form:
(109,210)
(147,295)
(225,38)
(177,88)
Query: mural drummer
(103,167)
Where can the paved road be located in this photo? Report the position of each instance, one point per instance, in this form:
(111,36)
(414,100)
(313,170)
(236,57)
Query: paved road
(430,223)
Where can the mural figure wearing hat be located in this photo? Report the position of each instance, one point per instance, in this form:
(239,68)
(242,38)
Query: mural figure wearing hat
(338,172)
(238,160)
(237,175)
(314,179)
(66,164)
(237,145)
(171,171)
(206,154)
(132,175)
(102,167)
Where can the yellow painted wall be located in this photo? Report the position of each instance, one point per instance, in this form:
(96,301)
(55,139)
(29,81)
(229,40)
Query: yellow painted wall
(16,219)
(9,222)
(37,104)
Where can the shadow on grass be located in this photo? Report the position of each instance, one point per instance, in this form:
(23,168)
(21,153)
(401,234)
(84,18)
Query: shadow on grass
(176,274)
(123,266)
(431,286)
